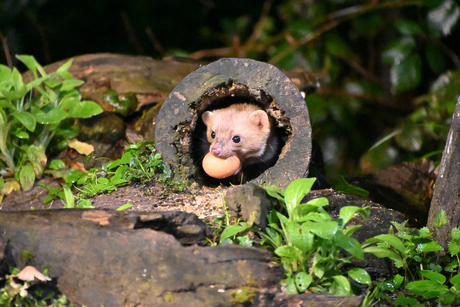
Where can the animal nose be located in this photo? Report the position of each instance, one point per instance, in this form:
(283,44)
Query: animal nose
(217,151)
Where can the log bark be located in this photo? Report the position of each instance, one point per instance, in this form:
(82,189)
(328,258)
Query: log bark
(114,258)
(446,194)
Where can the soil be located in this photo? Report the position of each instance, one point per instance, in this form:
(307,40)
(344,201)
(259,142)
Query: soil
(205,202)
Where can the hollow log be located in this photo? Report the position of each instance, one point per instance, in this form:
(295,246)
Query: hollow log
(179,125)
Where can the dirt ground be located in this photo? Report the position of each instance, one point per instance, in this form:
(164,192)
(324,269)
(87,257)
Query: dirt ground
(206,203)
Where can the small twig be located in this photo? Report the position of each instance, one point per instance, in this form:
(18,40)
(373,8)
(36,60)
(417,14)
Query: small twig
(337,18)
(359,69)
(257,30)
(304,40)
(200,54)
(131,33)
(41,31)
(236,47)
(156,44)
(4,40)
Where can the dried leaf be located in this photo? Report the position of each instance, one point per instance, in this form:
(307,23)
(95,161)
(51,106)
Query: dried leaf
(29,273)
(81,147)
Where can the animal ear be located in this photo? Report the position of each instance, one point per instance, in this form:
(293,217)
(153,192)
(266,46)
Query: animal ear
(207,117)
(260,119)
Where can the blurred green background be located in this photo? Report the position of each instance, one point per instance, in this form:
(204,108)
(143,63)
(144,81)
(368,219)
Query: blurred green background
(389,70)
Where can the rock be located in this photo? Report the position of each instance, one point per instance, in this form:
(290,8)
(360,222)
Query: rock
(407,188)
(249,203)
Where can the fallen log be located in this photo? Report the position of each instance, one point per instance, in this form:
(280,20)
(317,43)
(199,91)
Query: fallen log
(118,258)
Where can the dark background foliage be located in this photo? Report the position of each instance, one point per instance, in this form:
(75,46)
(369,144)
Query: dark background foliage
(389,70)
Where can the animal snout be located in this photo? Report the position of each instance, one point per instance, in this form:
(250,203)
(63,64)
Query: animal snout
(217,151)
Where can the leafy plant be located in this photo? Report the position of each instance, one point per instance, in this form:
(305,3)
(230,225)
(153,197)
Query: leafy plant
(310,244)
(428,273)
(35,114)
(139,163)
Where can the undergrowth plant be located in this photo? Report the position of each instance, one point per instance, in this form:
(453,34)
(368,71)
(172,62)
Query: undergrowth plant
(33,116)
(139,163)
(311,246)
(429,272)
(314,249)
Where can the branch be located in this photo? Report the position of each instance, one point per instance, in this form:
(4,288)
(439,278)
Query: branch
(4,40)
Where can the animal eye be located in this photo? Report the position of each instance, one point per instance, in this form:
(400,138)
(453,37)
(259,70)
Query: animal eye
(213,134)
(236,139)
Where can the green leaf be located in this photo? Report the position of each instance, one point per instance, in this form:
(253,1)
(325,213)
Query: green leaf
(399,50)
(299,237)
(410,138)
(27,119)
(454,247)
(30,63)
(34,65)
(433,276)
(345,187)
(341,286)
(17,81)
(80,109)
(360,275)
(318,202)
(402,300)
(406,74)
(21,134)
(397,281)
(68,197)
(65,67)
(232,230)
(303,281)
(84,204)
(445,16)
(440,219)
(408,27)
(290,253)
(392,240)
(426,288)
(382,252)
(455,280)
(53,116)
(425,232)
(325,230)
(455,233)
(15,94)
(347,213)
(296,191)
(56,164)
(5,73)
(351,230)
(70,84)
(429,247)
(349,244)
(124,207)
(290,286)
(27,177)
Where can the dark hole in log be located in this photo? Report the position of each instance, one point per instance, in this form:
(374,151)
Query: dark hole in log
(223,96)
